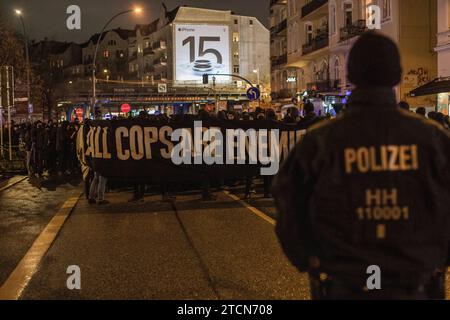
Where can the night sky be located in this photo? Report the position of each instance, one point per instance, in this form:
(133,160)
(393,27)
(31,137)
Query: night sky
(47,18)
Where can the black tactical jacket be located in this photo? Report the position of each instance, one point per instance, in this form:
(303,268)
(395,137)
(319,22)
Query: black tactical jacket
(371,187)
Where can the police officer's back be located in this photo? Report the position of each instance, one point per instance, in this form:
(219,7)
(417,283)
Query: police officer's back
(371,188)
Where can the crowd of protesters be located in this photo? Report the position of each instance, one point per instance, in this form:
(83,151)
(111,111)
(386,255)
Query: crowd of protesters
(439,117)
(52,147)
(95,184)
(48,147)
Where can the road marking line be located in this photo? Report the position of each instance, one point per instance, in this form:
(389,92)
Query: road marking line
(12,184)
(257,212)
(18,280)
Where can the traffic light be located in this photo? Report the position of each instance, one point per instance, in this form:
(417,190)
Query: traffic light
(205,79)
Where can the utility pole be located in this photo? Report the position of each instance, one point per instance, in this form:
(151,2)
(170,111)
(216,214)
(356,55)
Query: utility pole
(7,100)
(27,55)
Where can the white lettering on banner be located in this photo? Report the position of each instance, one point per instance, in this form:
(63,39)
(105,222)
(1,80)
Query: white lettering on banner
(150,137)
(163,133)
(137,150)
(199,146)
(97,153)
(121,132)
(106,154)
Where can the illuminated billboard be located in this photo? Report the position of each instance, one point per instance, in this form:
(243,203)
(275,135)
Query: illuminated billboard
(201,49)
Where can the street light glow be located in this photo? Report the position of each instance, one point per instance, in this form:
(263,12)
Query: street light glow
(18,12)
(137,10)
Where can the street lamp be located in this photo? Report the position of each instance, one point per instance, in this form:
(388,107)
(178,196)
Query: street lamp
(19,15)
(136,10)
(105,71)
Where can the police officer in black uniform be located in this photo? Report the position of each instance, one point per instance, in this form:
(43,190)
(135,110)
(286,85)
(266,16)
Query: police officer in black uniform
(363,200)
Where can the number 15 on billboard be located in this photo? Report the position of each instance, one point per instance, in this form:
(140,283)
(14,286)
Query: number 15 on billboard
(201,49)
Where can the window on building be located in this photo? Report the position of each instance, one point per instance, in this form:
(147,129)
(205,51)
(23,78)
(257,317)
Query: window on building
(324,72)
(292,8)
(236,54)
(235,37)
(301,79)
(106,54)
(348,14)
(337,72)
(236,21)
(386,9)
(290,39)
(295,37)
(333,19)
(251,22)
(283,14)
(309,33)
(236,69)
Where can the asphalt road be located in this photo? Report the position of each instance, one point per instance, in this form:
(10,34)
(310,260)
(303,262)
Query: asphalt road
(187,250)
(25,209)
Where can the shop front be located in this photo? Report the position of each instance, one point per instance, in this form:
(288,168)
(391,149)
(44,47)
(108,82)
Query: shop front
(439,87)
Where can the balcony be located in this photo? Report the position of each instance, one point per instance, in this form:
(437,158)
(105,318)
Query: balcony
(324,86)
(312,6)
(159,45)
(160,77)
(278,2)
(355,29)
(443,38)
(280,60)
(283,94)
(133,74)
(319,42)
(282,26)
(148,51)
(160,62)
(149,69)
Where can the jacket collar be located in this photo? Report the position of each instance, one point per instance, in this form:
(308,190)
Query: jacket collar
(372,97)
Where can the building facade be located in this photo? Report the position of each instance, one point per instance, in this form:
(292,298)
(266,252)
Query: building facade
(156,56)
(112,55)
(281,90)
(322,33)
(443,51)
